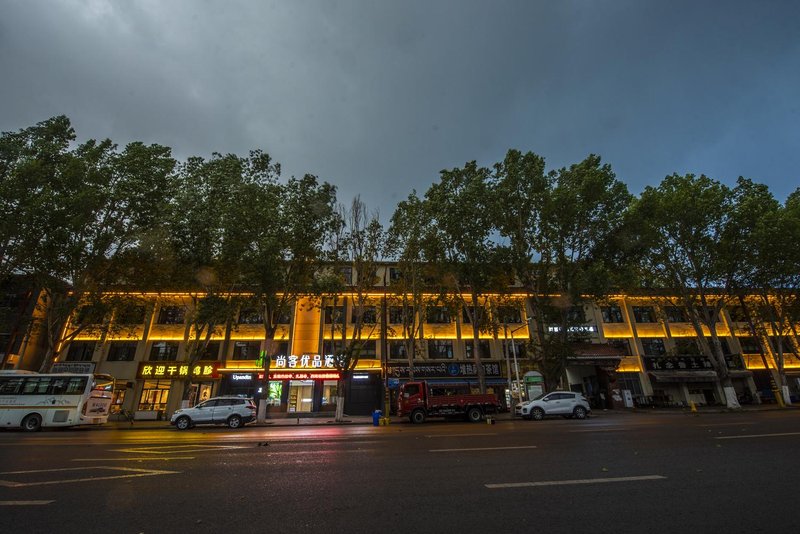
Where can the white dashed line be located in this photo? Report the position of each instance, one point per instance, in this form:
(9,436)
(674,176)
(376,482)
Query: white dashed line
(484,449)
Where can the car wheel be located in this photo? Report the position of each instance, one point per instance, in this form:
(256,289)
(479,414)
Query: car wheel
(183,423)
(579,412)
(234,421)
(32,423)
(474,414)
(537,414)
(417,416)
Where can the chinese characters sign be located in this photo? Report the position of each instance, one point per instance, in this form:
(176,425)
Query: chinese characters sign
(306,361)
(177,370)
(445,370)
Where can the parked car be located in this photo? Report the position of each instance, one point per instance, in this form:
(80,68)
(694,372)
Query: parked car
(231,411)
(565,403)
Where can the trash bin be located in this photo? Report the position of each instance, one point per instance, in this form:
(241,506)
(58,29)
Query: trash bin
(376,417)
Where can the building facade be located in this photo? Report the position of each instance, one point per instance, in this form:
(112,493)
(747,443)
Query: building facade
(629,351)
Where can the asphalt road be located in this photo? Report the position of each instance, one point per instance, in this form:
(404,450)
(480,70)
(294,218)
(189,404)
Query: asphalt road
(735,472)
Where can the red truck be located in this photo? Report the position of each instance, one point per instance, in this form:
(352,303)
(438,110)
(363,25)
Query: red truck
(420,400)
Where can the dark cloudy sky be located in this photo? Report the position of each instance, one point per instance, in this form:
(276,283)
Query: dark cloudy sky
(378,96)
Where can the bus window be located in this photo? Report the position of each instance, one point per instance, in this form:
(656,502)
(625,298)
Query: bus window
(10,385)
(35,386)
(76,385)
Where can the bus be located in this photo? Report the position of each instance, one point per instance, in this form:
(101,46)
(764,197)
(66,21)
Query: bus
(32,400)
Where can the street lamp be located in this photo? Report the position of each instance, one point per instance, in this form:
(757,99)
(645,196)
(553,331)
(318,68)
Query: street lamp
(514,351)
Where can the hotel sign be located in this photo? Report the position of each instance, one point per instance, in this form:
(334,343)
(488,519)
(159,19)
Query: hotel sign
(306,361)
(177,370)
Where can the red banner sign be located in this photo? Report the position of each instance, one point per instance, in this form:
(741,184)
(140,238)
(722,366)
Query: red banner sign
(299,375)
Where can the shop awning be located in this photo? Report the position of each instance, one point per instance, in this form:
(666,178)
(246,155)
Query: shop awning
(684,376)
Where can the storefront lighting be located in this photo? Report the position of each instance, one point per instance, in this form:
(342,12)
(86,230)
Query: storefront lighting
(360,377)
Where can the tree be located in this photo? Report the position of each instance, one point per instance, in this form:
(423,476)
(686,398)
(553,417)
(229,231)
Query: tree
(357,248)
(407,237)
(684,222)
(83,209)
(461,244)
(285,232)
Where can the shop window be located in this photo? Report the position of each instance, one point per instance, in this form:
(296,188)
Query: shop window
(437,315)
(675,314)
(246,350)
(612,314)
(118,399)
(80,351)
(483,345)
(154,395)
(653,346)
(171,315)
(631,382)
(122,351)
(644,314)
(509,315)
(330,388)
(164,351)
(440,349)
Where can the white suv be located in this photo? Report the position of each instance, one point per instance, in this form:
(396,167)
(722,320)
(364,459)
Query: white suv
(565,403)
(231,411)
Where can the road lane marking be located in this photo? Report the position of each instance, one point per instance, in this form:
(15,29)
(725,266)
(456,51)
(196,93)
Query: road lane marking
(760,435)
(726,424)
(144,459)
(573,482)
(600,430)
(484,449)
(24,503)
(134,473)
(460,435)
(169,449)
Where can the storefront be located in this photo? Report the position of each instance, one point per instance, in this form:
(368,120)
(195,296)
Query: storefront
(162,385)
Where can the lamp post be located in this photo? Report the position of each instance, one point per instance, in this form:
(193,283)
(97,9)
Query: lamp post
(514,354)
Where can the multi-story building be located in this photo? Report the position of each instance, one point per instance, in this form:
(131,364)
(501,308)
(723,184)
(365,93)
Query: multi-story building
(632,350)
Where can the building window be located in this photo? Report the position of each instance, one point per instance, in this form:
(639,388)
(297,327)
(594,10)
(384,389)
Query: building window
(246,350)
(211,352)
(396,315)
(675,314)
(129,315)
(611,314)
(394,275)
(437,315)
(509,315)
(644,314)
(653,346)
(483,345)
(750,345)
(347,275)
(517,346)
(623,345)
(468,312)
(576,315)
(397,349)
(337,347)
(368,350)
(726,348)
(686,346)
(154,395)
(334,315)
(80,351)
(164,351)
(330,389)
(370,315)
(738,314)
(122,351)
(631,382)
(171,315)
(440,349)
(250,316)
